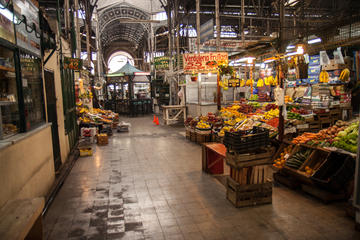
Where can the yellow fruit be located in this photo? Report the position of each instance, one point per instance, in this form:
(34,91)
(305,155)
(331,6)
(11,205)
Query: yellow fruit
(324,76)
(260,83)
(242,83)
(344,75)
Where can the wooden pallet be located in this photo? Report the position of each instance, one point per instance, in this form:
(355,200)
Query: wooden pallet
(248,195)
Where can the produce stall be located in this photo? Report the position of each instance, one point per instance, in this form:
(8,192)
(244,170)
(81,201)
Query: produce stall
(317,141)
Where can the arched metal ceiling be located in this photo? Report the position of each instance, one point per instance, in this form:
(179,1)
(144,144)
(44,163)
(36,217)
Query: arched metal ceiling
(113,30)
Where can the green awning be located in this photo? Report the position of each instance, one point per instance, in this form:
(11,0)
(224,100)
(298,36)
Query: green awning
(126,70)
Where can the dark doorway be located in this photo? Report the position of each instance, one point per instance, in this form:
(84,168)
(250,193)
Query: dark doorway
(52,115)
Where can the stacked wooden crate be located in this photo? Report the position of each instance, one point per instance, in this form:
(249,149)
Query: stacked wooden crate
(250,180)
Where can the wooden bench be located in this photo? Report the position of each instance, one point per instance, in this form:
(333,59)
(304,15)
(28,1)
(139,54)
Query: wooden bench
(21,219)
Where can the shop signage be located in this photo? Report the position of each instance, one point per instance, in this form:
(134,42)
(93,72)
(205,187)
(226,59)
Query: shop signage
(162,63)
(203,62)
(73,63)
(235,82)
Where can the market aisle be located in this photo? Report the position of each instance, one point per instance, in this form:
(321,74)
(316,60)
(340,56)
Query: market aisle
(148,184)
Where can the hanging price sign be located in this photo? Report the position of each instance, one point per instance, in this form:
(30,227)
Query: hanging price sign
(73,63)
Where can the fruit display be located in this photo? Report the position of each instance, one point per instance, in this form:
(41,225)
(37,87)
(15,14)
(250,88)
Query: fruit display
(203,125)
(270,106)
(348,138)
(273,122)
(297,159)
(271,114)
(280,161)
(95,116)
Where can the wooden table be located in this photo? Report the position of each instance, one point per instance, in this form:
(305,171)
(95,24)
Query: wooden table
(179,108)
(213,155)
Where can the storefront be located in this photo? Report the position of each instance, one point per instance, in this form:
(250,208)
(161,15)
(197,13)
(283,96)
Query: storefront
(25,136)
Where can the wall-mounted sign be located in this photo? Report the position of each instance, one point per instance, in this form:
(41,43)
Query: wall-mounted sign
(162,63)
(203,62)
(73,63)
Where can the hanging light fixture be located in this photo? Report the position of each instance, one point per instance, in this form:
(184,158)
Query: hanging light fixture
(300,49)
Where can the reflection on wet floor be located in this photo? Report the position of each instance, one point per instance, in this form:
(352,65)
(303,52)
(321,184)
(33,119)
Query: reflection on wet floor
(148,184)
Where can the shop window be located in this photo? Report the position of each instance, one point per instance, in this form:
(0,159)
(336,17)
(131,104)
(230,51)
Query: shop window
(9,108)
(32,90)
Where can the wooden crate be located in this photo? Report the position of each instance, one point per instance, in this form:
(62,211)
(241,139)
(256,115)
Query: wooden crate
(250,159)
(203,138)
(315,160)
(102,139)
(252,175)
(325,123)
(248,195)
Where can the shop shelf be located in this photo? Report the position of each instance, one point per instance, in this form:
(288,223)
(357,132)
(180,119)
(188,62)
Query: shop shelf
(8,69)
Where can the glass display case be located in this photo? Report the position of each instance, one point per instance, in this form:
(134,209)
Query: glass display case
(142,90)
(32,90)
(9,109)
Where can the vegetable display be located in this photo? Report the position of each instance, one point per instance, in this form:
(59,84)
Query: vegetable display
(348,138)
(298,158)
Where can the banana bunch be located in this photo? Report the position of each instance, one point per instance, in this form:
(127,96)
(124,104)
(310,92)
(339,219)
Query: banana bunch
(270,81)
(260,83)
(224,84)
(271,114)
(267,81)
(249,82)
(324,76)
(344,75)
(242,83)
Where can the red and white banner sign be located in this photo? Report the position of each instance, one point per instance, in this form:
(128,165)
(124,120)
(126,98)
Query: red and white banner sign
(203,62)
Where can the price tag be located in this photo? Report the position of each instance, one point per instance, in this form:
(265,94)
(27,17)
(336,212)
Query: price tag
(286,156)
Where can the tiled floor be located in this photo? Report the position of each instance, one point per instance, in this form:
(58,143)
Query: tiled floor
(148,184)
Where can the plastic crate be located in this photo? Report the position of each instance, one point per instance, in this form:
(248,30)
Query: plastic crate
(335,173)
(243,141)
